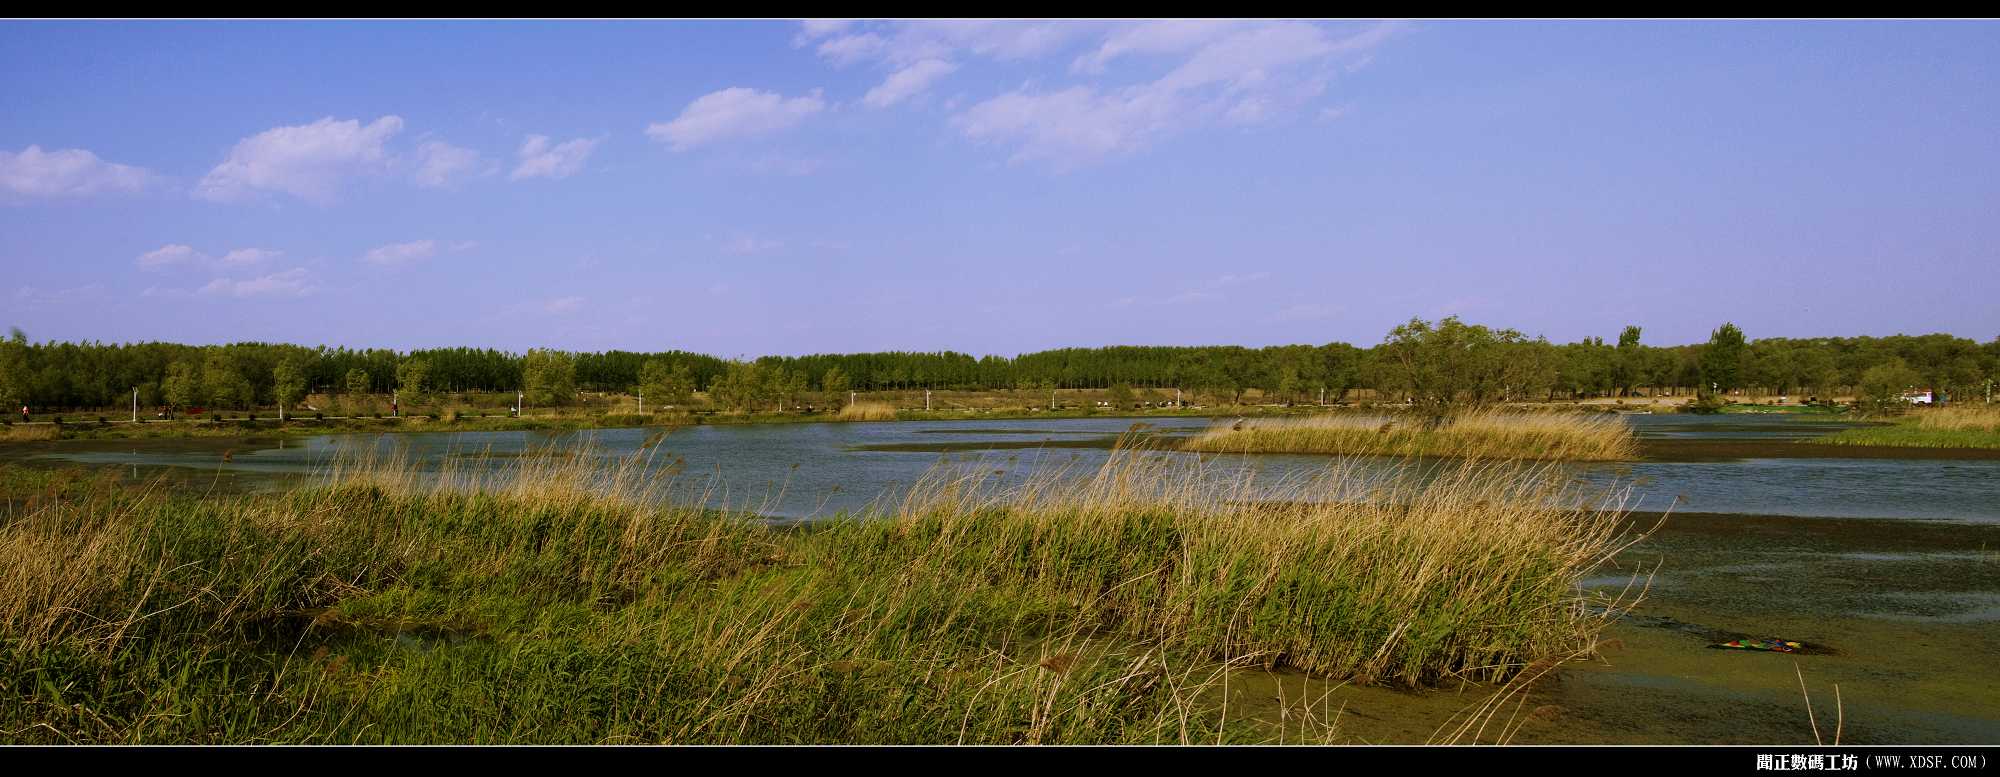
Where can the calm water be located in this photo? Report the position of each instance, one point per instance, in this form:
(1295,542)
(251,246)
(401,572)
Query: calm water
(805,470)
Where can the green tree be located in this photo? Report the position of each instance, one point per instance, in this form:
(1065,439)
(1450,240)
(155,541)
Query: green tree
(1882,385)
(181,386)
(222,382)
(1722,359)
(413,381)
(358,382)
(548,377)
(1629,368)
(1121,396)
(14,376)
(1450,364)
(288,384)
(666,385)
(743,386)
(835,384)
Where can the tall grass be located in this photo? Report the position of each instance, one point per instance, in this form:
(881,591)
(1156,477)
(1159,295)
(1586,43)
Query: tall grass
(564,602)
(867,411)
(1944,427)
(1984,418)
(1480,434)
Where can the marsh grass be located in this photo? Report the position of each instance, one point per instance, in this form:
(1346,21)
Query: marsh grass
(563,601)
(1479,434)
(867,411)
(1944,427)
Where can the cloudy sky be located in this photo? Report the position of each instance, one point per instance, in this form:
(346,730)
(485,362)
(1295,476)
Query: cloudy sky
(993,187)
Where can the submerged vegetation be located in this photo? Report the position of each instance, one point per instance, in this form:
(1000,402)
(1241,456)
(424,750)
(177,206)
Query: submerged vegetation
(1479,434)
(1944,427)
(568,603)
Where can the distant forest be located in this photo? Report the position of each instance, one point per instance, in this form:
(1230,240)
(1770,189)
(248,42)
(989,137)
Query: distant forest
(1509,366)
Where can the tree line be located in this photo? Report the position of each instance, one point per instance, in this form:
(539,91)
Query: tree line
(1448,361)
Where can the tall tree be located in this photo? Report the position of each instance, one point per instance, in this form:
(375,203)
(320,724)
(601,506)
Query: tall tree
(288,384)
(14,373)
(549,377)
(413,381)
(1722,359)
(182,386)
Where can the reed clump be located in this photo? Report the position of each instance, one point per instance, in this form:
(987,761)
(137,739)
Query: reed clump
(568,599)
(1476,434)
(867,411)
(1966,418)
(1963,426)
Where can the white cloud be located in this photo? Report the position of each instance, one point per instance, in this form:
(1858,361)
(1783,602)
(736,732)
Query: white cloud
(1228,73)
(399,253)
(307,161)
(248,256)
(1165,36)
(71,172)
(441,165)
(176,254)
(170,255)
(290,283)
(735,112)
(1071,126)
(908,82)
(539,159)
(563,304)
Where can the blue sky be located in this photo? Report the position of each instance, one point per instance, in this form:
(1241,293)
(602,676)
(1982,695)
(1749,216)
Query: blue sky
(748,188)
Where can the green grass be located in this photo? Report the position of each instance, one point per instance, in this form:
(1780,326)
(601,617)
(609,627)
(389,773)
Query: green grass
(567,606)
(1948,427)
(1908,436)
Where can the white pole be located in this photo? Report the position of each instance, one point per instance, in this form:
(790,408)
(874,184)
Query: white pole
(850,398)
(927,400)
(135,405)
(642,401)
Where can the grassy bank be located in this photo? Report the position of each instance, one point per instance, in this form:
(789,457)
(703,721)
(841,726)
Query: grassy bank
(1946,427)
(81,428)
(570,607)
(1488,434)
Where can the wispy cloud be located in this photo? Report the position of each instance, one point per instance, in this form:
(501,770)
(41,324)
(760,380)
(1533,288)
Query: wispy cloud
(308,161)
(71,172)
(1206,73)
(32,298)
(541,159)
(177,255)
(734,113)
(562,305)
(401,253)
(908,82)
(441,165)
(295,282)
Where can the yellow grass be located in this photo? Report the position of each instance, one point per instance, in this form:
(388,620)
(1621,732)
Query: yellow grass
(1481,434)
(867,411)
(1960,419)
(26,433)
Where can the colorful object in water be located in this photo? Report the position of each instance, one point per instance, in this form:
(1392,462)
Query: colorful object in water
(1774,645)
